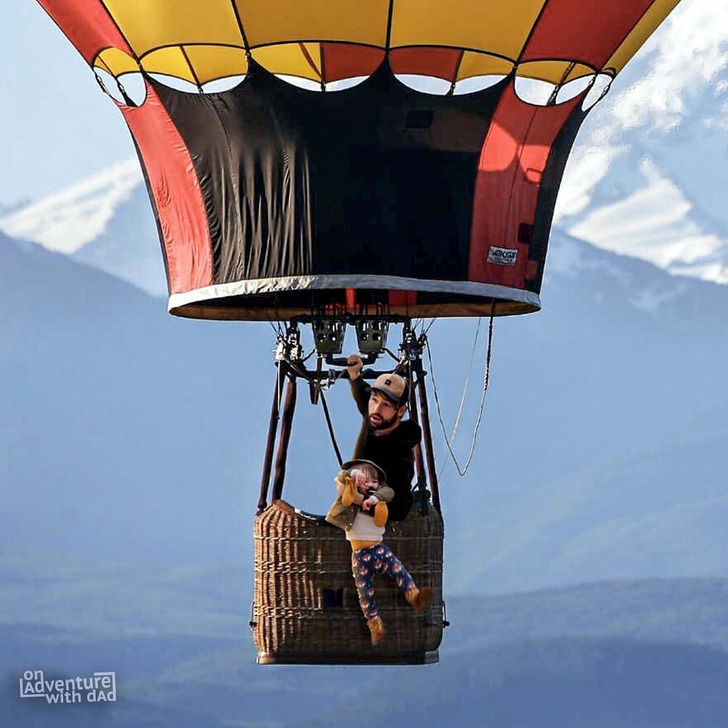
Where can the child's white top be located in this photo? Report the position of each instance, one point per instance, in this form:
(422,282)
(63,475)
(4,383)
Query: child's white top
(363,529)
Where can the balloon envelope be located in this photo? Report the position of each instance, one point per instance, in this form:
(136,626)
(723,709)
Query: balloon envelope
(400,154)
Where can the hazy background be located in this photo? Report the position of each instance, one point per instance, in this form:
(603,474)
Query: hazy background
(586,568)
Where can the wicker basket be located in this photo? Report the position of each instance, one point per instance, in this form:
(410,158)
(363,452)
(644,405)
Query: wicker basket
(306,608)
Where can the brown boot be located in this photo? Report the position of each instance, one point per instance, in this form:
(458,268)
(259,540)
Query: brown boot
(376,627)
(419,598)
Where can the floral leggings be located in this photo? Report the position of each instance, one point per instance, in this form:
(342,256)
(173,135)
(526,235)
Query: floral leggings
(372,561)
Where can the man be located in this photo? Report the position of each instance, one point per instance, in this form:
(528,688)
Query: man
(385,438)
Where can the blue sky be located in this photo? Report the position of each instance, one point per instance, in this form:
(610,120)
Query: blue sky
(57,126)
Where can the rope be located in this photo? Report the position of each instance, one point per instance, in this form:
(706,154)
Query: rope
(329,424)
(466,386)
(429,326)
(462,470)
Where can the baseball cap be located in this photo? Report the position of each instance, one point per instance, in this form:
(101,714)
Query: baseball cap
(392,386)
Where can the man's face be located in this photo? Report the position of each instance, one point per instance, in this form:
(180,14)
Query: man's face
(384,415)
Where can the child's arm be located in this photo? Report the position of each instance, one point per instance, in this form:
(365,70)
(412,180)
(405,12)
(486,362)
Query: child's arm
(384,493)
(379,501)
(369,502)
(346,487)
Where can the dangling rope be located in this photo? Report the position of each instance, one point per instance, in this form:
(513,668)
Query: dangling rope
(462,470)
(330,425)
(429,326)
(304,374)
(466,386)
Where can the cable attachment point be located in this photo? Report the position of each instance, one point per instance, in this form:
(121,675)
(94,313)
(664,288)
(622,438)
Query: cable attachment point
(288,345)
(325,383)
(412,346)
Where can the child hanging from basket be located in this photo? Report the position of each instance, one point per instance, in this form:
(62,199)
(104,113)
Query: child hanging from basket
(361,510)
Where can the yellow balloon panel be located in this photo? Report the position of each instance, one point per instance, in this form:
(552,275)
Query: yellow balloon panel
(276,21)
(496,28)
(480,64)
(556,72)
(291,59)
(500,27)
(116,62)
(170,62)
(151,25)
(213,62)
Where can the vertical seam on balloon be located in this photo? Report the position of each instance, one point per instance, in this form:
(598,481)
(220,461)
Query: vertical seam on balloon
(241,26)
(532,31)
(624,39)
(322,49)
(311,62)
(191,67)
(456,71)
(131,48)
(390,20)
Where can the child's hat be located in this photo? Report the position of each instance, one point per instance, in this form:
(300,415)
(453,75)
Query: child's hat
(353,463)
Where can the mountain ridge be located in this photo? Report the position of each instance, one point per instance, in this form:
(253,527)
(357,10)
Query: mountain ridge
(155,426)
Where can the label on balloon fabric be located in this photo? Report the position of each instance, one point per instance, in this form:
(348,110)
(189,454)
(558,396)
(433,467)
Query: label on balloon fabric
(503,256)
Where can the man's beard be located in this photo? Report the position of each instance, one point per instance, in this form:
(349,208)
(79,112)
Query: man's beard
(382,424)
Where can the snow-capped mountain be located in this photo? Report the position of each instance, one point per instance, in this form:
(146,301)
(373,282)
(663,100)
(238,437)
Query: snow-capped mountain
(648,175)
(69,220)
(105,221)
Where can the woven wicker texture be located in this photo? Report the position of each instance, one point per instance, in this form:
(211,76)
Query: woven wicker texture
(306,607)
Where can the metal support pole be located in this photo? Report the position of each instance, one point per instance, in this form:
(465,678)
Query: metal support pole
(272,432)
(414,416)
(427,435)
(289,407)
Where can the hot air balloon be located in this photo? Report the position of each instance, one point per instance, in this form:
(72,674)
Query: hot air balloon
(358,162)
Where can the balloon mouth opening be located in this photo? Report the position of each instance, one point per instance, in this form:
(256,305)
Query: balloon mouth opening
(429,71)
(256,301)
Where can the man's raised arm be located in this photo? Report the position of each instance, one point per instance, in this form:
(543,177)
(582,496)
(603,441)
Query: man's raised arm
(359,389)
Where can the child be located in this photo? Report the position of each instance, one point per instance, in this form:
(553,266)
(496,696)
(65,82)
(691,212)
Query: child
(360,510)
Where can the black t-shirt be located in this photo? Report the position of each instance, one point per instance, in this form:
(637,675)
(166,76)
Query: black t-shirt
(392,452)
